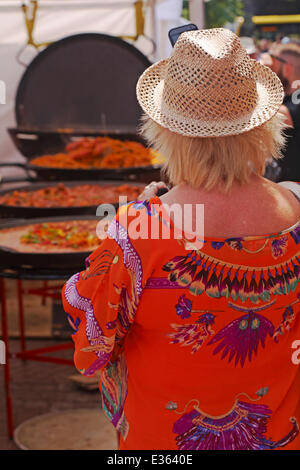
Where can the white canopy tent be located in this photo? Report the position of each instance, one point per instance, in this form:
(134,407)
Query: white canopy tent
(58,18)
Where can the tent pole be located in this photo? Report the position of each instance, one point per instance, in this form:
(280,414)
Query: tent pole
(153,19)
(197,14)
(151,4)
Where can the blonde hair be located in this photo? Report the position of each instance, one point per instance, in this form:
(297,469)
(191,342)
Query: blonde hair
(210,162)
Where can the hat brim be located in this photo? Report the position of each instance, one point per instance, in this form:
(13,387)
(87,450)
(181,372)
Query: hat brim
(150,97)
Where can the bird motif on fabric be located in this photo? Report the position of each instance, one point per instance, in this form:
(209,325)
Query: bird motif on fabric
(241,338)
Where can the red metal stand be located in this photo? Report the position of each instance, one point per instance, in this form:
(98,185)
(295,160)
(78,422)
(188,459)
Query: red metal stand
(21,314)
(33,354)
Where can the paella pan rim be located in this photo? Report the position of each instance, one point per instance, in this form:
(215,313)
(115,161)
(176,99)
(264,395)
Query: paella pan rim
(97,171)
(10,258)
(25,212)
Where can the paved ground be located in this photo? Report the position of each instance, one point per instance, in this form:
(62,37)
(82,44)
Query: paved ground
(38,388)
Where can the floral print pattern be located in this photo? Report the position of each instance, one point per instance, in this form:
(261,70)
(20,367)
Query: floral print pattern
(279,246)
(184,307)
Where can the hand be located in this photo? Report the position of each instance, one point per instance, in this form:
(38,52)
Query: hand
(151,190)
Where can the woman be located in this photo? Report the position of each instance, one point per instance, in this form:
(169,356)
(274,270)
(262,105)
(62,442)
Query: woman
(194,335)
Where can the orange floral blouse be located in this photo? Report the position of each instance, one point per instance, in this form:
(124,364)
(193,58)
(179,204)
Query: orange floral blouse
(196,348)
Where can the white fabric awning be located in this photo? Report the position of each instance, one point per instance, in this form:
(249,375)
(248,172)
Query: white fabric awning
(59,18)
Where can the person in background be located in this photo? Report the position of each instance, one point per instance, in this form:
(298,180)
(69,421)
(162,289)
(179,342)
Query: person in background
(264,46)
(249,44)
(287,60)
(272,60)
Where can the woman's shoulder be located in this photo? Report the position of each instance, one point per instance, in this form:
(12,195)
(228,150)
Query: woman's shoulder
(281,205)
(292,186)
(260,208)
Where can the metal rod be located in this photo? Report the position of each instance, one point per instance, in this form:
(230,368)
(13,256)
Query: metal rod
(21,315)
(53,360)
(8,6)
(45,286)
(56,347)
(197,14)
(43,294)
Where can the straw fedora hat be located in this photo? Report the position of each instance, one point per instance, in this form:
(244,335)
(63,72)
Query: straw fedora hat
(209,87)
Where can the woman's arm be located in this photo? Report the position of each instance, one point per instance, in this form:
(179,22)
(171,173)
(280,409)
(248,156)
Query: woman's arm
(152,189)
(101,301)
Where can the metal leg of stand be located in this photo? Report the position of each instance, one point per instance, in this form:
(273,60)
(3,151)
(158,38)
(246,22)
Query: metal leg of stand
(9,409)
(45,285)
(21,315)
